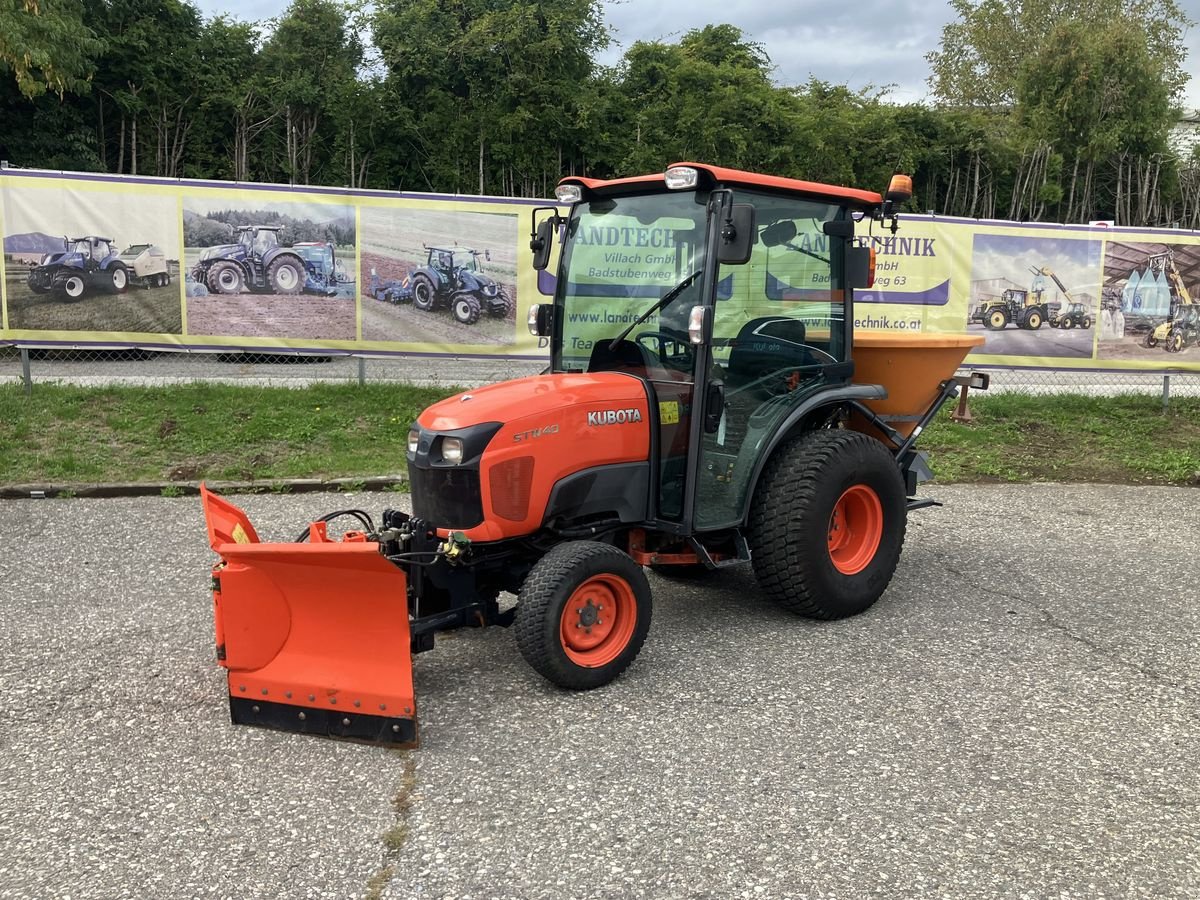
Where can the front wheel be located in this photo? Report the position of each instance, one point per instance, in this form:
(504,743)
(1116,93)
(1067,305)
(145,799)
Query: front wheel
(1150,340)
(583,615)
(1085,323)
(827,524)
(996,320)
(466,309)
(1174,342)
(118,279)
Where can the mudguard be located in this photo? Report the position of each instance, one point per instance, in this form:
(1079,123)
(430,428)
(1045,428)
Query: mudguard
(314,635)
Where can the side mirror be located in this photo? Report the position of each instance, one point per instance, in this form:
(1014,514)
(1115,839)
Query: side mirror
(541,319)
(737,235)
(542,241)
(860,267)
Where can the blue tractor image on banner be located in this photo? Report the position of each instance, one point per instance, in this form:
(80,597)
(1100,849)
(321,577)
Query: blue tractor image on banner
(85,264)
(451,277)
(260,264)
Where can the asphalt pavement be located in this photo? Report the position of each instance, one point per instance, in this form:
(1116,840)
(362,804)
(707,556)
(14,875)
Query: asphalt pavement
(1017,717)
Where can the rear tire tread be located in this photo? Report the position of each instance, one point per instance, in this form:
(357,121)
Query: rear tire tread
(787,570)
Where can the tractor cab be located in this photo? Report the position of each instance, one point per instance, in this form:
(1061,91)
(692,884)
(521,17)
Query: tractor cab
(732,302)
(257,240)
(90,249)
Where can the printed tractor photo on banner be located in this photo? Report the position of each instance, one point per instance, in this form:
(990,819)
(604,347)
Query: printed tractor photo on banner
(89,262)
(259,267)
(1151,302)
(438,277)
(1034,296)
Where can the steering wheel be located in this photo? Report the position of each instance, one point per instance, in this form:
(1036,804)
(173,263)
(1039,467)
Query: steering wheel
(672,348)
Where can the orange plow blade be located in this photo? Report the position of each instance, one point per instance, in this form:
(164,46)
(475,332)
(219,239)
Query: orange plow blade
(314,636)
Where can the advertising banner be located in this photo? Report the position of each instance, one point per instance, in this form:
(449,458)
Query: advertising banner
(103,261)
(94,260)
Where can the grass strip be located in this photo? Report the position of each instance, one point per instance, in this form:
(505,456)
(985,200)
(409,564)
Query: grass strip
(72,435)
(68,435)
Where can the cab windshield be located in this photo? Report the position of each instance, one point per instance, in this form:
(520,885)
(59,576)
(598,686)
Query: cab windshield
(622,256)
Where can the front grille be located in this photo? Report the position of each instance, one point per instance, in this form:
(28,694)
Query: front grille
(447,497)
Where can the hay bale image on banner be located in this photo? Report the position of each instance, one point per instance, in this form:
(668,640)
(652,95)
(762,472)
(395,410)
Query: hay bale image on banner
(1034,296)
(1151,302)
(261,267)
(91,261)
(441,278)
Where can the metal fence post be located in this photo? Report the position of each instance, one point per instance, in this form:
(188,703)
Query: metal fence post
(1166,392)
(362,371)
(25,374)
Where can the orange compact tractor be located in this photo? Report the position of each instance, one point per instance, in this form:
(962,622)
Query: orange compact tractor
(707,404)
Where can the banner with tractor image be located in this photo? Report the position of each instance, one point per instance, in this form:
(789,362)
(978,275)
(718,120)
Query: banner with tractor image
(115,262)
(93,260)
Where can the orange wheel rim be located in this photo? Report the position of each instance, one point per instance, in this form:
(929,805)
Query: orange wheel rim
(598,621)
(855,529)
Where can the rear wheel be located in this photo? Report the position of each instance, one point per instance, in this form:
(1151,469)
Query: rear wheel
(1174,341)
(286,276)
(1150,340)
(466,309)
(1033,321)
(828,523)
(996,320)
(225,278)
(583,614)
(423,295)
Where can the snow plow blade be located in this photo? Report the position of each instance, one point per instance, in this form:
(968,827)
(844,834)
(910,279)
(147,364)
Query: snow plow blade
(315,635)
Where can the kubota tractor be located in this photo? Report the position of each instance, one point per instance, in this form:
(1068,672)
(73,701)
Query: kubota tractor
(694,416)
(257,262)
(454,278)
(85,263)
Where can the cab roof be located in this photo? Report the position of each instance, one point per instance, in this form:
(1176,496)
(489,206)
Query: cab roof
(711,175)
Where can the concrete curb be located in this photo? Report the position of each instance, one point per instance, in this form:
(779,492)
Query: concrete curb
(192,488)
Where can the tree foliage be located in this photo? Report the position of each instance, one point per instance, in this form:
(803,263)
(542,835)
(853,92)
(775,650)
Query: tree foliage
(1054,109)
(46,46)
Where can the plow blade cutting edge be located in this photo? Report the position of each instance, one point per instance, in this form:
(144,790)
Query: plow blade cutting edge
(314,636)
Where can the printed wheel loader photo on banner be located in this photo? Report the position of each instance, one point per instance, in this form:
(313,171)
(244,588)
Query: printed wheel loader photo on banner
(91,261)
(1151,302)
(434,277)
(261,267)
(1034,296)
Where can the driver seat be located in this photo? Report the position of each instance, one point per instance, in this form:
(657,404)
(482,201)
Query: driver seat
(627,356)
(765,345)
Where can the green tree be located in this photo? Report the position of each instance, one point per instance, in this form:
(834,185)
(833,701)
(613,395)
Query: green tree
(311,62)
(984,50)
(47,46)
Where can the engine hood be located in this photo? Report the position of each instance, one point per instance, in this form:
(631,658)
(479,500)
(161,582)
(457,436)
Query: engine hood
(63,258)
(474,281)
(221,250)
(536,397)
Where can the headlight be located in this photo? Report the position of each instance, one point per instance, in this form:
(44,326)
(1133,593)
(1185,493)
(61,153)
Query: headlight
(452,450)
(568,193)
(414,438)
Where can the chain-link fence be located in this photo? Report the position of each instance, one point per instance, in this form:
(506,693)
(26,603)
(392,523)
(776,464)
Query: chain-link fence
(93,367)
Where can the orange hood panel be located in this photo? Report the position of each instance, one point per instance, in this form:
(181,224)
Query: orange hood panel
(552,426)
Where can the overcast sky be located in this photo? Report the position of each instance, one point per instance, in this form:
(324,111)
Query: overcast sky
(869,42)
